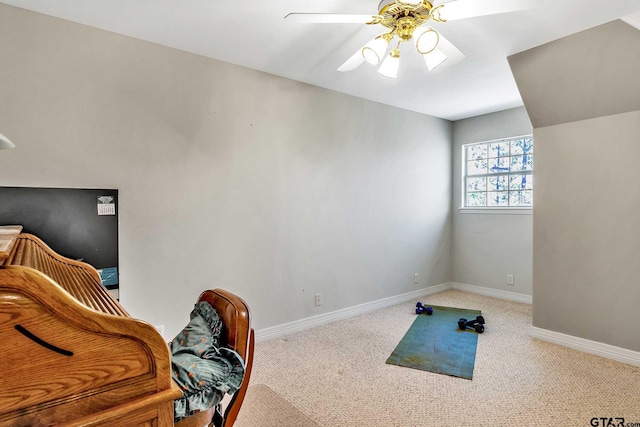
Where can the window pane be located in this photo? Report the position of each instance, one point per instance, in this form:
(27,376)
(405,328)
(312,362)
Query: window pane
(476,167)
(477,184)
(476,199)
(476,152)
(521,182)
(499,149)
(499,165)
(522,146)
(498,198)
(499,183)
(499,173)
(522,163)
(520,198)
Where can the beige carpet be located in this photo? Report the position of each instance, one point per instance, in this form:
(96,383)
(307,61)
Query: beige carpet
(263,407)
(336,375)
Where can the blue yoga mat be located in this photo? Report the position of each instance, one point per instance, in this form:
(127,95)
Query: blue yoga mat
(436,344)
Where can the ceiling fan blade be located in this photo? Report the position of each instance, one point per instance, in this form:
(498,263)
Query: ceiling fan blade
(328,18)
(462,9)
(454,55)
(353,62)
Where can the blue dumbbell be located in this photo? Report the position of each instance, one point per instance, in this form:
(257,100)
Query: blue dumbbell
(477,324)
(420,308)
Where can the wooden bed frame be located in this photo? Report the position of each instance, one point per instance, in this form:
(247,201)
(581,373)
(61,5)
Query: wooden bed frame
(72,356)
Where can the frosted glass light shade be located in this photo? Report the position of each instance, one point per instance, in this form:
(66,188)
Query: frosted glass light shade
(427,40)
(434,58)
(389,67)
(5,143)
(373,52)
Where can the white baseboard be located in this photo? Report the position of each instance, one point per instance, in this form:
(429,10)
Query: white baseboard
(490,292)
(587,346)
(279,331)
(345,313)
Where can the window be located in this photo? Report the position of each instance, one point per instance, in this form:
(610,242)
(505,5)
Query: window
(498,173)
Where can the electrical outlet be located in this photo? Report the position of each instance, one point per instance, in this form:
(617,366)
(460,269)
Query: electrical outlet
(415,279)
(318,300)
(509,279)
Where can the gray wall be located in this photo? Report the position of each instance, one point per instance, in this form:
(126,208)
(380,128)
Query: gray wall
(587,234)
(228,177)
(488,246)
(586,257)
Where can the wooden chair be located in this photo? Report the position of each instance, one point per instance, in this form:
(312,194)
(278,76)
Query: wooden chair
(237,335)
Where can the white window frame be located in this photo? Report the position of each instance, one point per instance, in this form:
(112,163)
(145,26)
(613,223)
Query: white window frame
(516,210)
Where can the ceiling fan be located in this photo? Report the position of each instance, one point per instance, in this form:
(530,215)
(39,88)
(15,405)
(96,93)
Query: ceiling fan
(406,21)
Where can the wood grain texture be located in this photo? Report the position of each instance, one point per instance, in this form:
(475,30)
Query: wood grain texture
(80,279)
(8,236)
(73,356)
(112,364)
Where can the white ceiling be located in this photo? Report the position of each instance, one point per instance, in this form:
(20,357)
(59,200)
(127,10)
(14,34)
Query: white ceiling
(254,34)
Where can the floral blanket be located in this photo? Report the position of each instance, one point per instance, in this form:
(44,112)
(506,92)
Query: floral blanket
(203,369)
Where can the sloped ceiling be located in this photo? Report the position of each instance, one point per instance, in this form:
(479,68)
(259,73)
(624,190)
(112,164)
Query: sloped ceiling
(255,35)
(590,74)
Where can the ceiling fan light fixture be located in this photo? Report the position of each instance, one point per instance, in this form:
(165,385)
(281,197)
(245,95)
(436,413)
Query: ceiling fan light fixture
(406,20)
(427,40)
(434,58)
(373,52)
(390,65)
